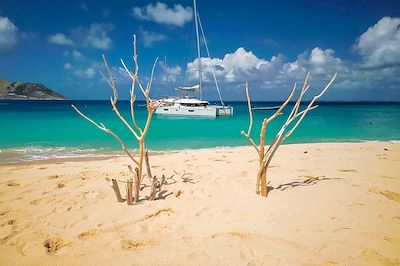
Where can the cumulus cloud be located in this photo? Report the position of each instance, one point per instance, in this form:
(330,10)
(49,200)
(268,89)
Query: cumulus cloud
(61,39)
(97,35)
(245,65)
(379,46)
(76,55)
(318,62)
(67,65)
(149,38)
(170,73)
(274,74)
(177,15)
(87,73)
(8,34)
(233,67)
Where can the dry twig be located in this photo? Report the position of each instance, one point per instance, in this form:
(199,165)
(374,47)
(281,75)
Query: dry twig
(265,157)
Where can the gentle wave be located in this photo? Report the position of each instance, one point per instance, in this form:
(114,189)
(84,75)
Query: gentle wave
(40,153)
(28,154)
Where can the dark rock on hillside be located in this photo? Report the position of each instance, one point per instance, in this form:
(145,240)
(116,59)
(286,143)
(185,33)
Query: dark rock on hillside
(27,91)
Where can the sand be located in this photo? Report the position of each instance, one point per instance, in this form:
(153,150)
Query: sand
(329,204)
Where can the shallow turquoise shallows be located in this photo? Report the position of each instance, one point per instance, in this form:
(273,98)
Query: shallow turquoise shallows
(48,129)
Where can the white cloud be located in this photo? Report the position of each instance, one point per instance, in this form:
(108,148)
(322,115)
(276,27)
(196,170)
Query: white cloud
(8,34)
(274,73)
(318,62)
(97,35)
(67,65)
(90,72)
(169,73)
(380,44)
(120,76)
(76,55)
(237,66)
(149,37)
(162,14)
(87,73)
(61,39)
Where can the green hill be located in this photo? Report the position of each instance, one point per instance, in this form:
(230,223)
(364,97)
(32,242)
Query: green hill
(27,91)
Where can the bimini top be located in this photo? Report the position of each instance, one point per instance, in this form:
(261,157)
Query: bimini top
(195,88)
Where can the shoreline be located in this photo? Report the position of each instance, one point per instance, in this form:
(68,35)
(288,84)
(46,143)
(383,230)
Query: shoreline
(89,154)
(329,204)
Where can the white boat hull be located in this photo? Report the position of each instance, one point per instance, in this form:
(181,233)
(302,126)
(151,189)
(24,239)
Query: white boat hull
(193,111)
(224,110)
(177,110)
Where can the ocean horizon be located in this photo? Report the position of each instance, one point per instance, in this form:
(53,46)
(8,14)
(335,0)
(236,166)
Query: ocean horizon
(36,130)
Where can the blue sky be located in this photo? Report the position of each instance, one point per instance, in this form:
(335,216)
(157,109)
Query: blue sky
(271,44)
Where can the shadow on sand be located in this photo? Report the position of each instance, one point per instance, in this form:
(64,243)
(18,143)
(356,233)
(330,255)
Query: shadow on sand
(307,182)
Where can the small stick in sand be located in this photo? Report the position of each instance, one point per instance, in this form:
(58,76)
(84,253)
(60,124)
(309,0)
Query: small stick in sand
(129,185)
(114,184)
(137,185)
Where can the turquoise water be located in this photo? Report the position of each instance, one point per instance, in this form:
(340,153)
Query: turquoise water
(41,129)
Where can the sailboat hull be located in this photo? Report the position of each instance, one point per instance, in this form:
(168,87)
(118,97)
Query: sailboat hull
(178,110)
(224,110)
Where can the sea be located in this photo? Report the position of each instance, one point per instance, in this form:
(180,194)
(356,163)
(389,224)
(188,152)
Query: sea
(37,130)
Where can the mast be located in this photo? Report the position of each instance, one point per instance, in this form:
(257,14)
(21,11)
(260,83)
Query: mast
(198,49)
(209,56)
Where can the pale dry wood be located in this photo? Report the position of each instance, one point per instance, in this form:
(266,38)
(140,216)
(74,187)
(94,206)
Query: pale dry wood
(162,182)
(265,157)
(107,130)
(153,190)
(116,190)
(138,132)
(129,185)
(114,99)
(156,187)
(247,135)
(114,185)
(146,156)
(137,185)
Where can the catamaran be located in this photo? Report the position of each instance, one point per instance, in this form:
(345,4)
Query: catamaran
(191,106)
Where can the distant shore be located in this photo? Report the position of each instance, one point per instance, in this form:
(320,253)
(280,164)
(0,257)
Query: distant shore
(329,203)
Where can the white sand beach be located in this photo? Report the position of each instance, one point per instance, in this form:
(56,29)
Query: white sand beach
(330,204)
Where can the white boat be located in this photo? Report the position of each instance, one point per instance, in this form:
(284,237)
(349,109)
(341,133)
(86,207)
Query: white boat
(186,106)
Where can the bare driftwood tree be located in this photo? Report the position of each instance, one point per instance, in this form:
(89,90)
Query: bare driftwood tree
(265,155)
(138,132)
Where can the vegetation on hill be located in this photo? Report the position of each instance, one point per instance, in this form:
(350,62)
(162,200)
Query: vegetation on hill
(27,91)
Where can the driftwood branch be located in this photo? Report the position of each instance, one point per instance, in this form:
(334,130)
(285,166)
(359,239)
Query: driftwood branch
(114,185)
(156,187)
(247,135)
(107,130)
(265,157)
(138,132)
(129,186)
(146,157)
(137,185)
